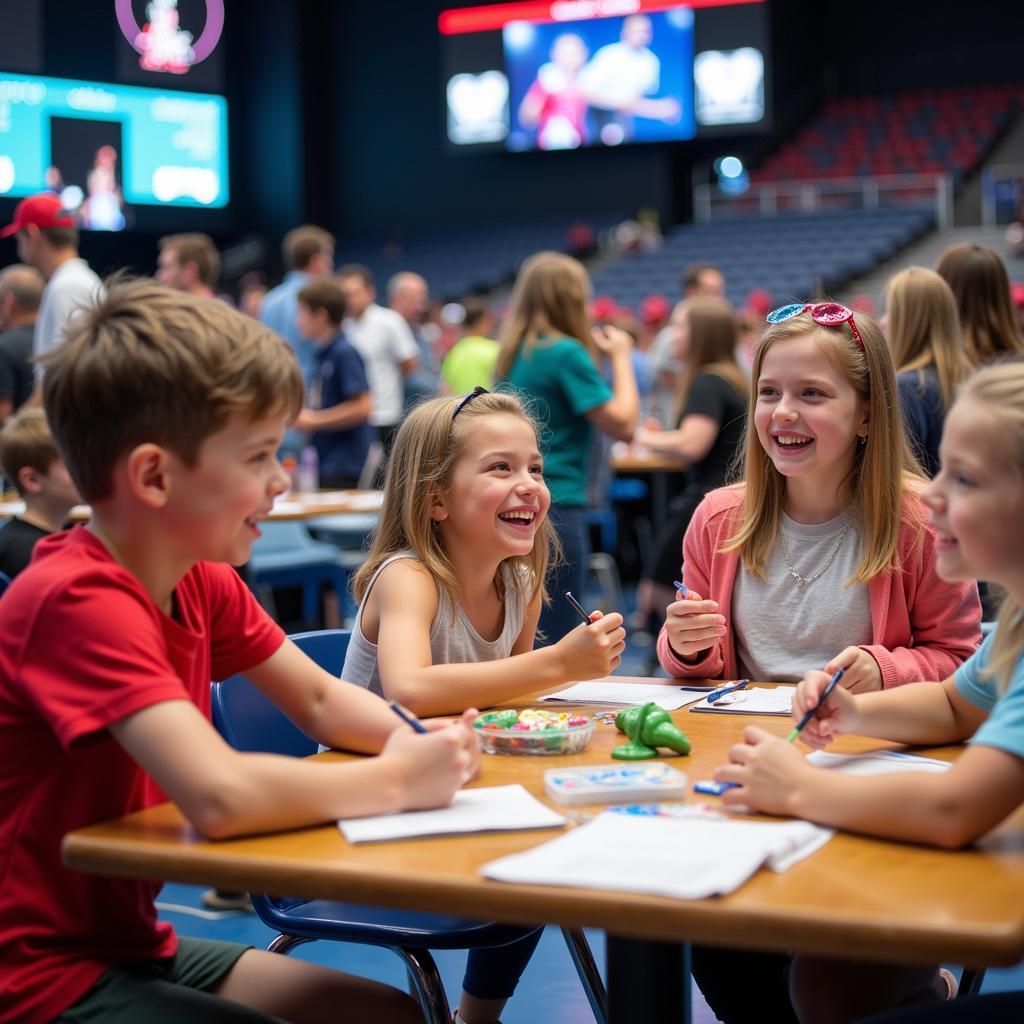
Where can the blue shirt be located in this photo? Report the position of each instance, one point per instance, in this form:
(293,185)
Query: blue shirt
(1004,728)
(280,307)
(339,377)
(923,415)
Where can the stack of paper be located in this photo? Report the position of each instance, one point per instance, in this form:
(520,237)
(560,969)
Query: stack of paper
(667,695)
(757,700)
(488,809)
(876,762)
(688,858)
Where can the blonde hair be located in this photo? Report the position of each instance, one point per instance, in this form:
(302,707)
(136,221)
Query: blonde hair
(427,446)
(884,471)
(711,347)
(549,299)
(148,363)
(924,328)
(26,441)
(999,390)
(982,288)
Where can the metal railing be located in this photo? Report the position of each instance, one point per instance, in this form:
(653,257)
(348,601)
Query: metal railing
(818,195)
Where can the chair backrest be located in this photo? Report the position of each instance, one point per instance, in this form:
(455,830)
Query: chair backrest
(5,582)
(282,535)
(251,722)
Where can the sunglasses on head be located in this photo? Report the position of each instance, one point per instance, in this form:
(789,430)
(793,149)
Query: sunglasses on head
(828,314)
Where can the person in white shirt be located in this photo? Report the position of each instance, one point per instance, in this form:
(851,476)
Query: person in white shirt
(620,79)
(48,240)
(383,338)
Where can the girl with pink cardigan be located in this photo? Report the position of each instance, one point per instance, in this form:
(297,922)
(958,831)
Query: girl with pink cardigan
(822,558)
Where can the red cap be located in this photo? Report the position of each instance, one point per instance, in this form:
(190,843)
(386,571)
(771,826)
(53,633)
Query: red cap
(603,308)
(1017,292)
(759,302)
(44,210)
(654,309)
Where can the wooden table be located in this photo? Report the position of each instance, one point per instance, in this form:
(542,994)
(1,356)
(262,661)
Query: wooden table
(294,505)
(640,462)
(856,897)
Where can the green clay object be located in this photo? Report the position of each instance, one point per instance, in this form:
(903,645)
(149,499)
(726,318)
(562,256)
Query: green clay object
(648,727)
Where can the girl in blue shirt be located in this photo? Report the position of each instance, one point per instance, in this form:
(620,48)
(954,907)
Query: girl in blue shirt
(977,506)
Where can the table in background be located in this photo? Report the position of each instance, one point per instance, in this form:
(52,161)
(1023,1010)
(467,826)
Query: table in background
(294,505)
(856,897)
(656,469)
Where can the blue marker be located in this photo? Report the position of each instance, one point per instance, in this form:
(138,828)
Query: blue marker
(407,716)
(683,592)
(741,685)
(714,788)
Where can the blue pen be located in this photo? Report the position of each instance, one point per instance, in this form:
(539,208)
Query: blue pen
(741,685)
(681,588)
(407,716)
(826,693)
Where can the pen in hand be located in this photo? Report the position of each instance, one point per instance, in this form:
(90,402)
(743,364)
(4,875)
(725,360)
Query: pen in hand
(407,716)
(681,589)
(826,693)
(579,608)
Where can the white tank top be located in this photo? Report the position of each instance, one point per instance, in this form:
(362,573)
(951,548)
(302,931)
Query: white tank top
(451,642)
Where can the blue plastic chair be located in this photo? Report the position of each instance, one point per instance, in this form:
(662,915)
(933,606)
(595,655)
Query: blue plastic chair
(5,582)
(287,556)
(251,722)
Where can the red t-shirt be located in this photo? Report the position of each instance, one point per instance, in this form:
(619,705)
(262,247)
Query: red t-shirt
(82,645)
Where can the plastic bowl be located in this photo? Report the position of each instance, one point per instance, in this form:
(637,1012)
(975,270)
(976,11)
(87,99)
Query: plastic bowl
(569,740)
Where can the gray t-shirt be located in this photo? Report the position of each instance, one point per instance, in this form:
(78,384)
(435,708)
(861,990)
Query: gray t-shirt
(450,643)
(782,629)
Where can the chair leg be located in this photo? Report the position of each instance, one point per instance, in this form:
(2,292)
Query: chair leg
(426,983)
(586,968)
(284,944)
(970,982)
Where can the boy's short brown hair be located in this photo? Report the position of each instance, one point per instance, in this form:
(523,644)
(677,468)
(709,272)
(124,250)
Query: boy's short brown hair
(327,295)
(301,244)
(151,364)
(26,441)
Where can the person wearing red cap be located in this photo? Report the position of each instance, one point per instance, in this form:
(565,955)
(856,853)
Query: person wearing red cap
(48,240)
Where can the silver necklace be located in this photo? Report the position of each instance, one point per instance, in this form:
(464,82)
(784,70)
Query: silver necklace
(801,580)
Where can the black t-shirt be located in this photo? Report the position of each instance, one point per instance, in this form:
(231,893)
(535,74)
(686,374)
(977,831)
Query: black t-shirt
(713,396)
(17,539)
(17,378)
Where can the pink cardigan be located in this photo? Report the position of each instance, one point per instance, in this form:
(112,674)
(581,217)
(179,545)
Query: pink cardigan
(923,627)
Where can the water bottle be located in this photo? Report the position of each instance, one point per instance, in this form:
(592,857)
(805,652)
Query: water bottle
(307,477)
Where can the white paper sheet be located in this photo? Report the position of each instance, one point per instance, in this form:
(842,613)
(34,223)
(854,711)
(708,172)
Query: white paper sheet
(666,695)
(755,700)
(680,857)
(489,809)
(877,762)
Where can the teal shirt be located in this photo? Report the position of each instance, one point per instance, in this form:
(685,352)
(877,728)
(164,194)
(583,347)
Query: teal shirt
(1004,727)
(562,383)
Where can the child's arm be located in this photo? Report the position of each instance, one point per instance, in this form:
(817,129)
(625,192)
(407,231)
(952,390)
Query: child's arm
(407,601)
(226,793)
(926,714)
(338,417)
(326,708)
(690,443)
(949,809)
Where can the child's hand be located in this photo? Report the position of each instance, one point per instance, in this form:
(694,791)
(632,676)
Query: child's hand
(612,340)
(693,625)
(862,672)
(431,767)
(839,713)
(589,652)
(766,770)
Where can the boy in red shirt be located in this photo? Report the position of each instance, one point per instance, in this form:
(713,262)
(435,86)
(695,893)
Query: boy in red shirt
(168,411)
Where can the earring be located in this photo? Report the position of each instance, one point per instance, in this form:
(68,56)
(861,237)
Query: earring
(862,439)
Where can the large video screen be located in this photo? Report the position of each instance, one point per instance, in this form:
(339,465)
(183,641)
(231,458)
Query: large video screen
(104,148)
(562,74)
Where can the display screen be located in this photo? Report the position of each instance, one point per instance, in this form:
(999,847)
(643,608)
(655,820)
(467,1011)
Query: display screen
(104,148)
(570,73)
